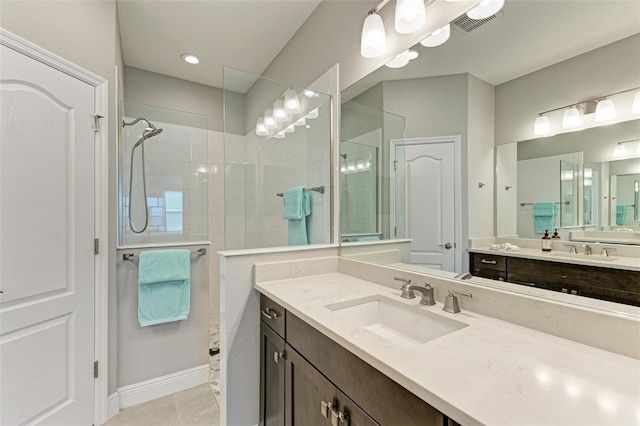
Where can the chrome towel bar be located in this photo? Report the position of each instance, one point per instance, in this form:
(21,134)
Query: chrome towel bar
(319,189)
(131,256)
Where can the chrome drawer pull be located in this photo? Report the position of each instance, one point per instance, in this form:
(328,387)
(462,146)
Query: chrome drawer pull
(490,262)
(325,408)
(277,356)
(269,313)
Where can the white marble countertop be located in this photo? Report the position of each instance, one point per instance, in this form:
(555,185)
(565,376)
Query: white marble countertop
(614,261)
(491,372)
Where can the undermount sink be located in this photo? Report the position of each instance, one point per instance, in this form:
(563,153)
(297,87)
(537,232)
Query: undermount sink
(593,257)
(405,325)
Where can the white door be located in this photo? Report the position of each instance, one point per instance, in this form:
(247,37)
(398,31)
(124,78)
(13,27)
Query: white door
(46,244)
(425,202)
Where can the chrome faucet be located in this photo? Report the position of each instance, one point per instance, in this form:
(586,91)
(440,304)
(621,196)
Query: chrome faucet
(427,293)
(572,248)
(451,301)
(587,250)
(605,251)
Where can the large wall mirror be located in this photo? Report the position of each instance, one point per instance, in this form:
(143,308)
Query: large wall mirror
(420,145)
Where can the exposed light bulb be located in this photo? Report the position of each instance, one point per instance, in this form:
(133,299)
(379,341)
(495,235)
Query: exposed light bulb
(269,121)
(373,42)
(635,108)
(485,9)
(313,114)
(542,126)
(261,129)
(437,37)
(619,150)
(571,118)
(605,110)
(410,16)
(279,114)
(291,102)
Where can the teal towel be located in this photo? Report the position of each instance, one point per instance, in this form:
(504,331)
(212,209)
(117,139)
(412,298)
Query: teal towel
(543,216)
(297,206)
(164,286)
(621,212)
(369,238)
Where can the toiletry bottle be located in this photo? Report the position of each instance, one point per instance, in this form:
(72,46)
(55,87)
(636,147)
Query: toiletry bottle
(555,235)
(546,241)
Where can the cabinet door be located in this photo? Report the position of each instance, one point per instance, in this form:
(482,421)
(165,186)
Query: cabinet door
(272,368)
(355,416)
(307,393)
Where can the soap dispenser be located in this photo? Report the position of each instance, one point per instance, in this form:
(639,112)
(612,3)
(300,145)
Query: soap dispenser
(546,241)
(555,235)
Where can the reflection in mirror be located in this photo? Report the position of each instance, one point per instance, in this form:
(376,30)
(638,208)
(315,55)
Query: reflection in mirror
(569,193)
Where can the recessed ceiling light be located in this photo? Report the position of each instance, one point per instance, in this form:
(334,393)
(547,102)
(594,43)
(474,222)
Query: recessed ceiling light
(190,58)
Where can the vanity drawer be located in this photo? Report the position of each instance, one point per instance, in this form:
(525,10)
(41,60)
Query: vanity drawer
(272,314)
(489,273)
(538,282)
(488,261)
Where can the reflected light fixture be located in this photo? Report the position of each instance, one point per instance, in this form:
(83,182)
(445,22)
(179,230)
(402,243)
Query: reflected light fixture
(290,129)
(635,108)
(571,118)
(485,9)
(605,110)
(313,114)
(310,93)
(373,42)
(261,129)
(279,135)
(279,114)
(542,125)
(410,16)
(301,122)
(269,121)
(291,101)
(190,58)
(437,37)
(619,150)
(402,59)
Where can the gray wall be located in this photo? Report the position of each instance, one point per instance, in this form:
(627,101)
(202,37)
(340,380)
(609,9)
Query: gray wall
(150,88)
(85,33)
(600,72)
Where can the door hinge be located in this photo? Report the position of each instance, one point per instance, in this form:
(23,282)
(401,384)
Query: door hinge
(96,246)
(95,369)
(96,123)
(395,164)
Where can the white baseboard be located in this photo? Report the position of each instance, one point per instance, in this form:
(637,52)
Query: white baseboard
(138,393)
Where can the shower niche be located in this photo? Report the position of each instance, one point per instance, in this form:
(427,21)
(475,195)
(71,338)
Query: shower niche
(163,176)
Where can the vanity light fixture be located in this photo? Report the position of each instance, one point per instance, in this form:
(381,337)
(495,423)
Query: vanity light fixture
(373,42)
(485,9)
(402,59)
(571,118)
(269,122)
(635,108)
(279,114)
(291,101)
(312,114)
(279,135)
(605,110)
(410,16)
(620,150)
(542,125)
(438,37)
(261,129)
(300,122)
(290,129)
(190,58)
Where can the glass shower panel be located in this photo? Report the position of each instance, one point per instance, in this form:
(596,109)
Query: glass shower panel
(169,170)
(364,132)
(276,136)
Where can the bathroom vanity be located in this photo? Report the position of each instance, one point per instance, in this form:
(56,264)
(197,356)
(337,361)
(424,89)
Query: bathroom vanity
(337,349)
(615,279)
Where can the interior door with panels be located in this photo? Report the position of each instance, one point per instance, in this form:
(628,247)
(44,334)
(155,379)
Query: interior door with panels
(46,244)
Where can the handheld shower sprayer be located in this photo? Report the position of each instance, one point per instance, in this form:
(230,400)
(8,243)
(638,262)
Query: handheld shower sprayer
(149,132)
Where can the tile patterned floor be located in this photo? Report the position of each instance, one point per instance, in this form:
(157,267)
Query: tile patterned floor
(192,407)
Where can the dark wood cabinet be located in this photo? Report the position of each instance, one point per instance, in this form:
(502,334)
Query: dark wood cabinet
(307,379)
(615,285)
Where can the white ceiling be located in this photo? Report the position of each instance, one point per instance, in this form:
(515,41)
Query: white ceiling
(248,34)
(241,34)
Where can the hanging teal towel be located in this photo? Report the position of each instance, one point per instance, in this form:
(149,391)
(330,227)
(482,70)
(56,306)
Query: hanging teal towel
(369,238)
(543,216)
(164,286)
(297,206)
(621,212)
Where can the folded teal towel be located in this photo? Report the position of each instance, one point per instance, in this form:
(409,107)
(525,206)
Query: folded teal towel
(297,206)
(621,212)
(543,216)
(164,286)
(369,238)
